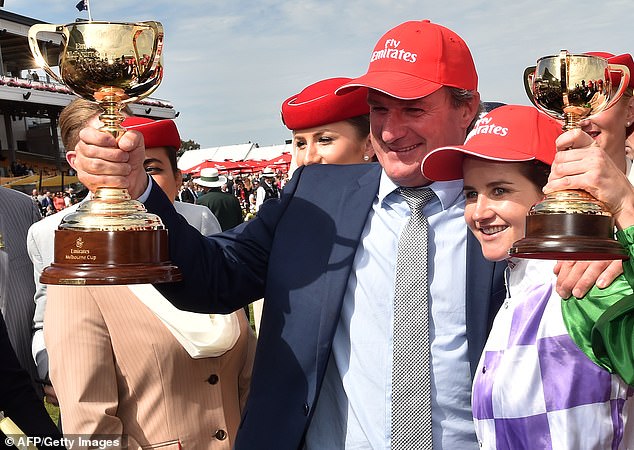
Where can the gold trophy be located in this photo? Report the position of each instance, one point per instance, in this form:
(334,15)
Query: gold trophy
(571,224)
(110,239)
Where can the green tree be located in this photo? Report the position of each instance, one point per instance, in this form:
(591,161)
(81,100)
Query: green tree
(188,145)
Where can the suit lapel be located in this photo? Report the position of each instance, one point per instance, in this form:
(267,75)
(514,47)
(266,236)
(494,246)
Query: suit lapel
(350,218)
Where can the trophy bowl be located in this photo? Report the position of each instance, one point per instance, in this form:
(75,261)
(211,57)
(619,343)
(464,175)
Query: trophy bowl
(571,224)
(110,239)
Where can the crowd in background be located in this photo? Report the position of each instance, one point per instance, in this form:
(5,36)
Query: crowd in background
(19,168)
(49,203)
(244,187)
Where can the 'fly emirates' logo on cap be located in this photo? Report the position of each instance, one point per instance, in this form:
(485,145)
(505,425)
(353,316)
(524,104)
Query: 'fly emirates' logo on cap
(391,51)
(484,126)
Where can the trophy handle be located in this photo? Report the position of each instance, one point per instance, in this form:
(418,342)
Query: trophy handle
(625,81)
(157,51)
(35,47)
(529,75)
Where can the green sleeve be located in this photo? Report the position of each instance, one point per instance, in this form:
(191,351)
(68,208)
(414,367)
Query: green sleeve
(613,339)
(602,322)
(626,238)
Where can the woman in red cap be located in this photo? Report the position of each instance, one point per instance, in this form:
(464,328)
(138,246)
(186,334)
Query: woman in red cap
(123,362)
(554,373)
(328,128)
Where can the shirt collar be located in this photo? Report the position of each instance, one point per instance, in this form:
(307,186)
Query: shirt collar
(446,191)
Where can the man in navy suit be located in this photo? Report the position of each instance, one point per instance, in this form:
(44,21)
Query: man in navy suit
(323,256)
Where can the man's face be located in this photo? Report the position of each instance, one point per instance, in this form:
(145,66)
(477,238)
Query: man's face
(404,131)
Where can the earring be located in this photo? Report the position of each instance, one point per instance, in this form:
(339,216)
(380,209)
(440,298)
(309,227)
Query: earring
(367,158)
(627,125)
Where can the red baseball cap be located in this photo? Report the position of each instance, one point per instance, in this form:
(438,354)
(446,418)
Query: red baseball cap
(318,105)
(510,133)
(156,133)
(415,59)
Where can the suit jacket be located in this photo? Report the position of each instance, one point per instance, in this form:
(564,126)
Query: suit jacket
(225,206)
(298,255)
(40,244)
(18,399)
(117,370)
(17,213)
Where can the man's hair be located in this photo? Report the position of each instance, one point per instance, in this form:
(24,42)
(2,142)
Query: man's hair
(75,116)
(460,97)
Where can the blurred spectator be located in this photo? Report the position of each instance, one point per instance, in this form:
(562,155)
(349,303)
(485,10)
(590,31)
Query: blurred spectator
(46,204)
(187,194)
(58,201)
(268,188)
(225,206)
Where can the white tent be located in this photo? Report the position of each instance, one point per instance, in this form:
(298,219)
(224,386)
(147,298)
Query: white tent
(268,152)
(237,152)
(193,157)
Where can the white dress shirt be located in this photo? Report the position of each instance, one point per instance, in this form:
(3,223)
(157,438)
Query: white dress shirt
(354,407)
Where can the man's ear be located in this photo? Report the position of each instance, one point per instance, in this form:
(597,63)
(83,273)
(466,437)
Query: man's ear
(70,158)
(470,111)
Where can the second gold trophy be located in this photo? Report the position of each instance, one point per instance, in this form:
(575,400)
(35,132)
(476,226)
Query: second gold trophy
(571,224)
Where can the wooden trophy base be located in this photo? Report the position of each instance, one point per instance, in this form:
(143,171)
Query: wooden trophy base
(574,236)
(110,257)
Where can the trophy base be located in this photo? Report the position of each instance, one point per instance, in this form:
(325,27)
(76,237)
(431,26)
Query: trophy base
(110,257)
(575,236)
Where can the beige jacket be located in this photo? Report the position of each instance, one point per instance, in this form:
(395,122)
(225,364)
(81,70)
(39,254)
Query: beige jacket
(117,370)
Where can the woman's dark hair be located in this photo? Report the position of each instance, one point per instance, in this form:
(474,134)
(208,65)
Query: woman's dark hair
(361,125)
(536,171)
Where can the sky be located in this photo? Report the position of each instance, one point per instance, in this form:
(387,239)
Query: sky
(229,64)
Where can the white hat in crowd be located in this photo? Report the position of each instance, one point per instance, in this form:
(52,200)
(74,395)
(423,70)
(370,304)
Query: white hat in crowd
(209,177)
(268,172)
